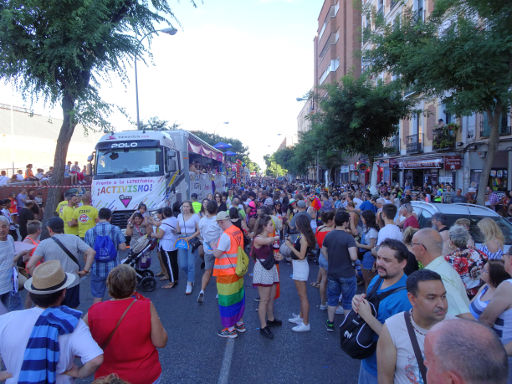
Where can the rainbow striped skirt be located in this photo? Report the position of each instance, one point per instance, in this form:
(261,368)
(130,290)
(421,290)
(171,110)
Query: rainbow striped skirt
(231,299)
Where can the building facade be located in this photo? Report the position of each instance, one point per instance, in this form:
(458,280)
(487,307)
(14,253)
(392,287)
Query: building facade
(337,47)
(433,146)
(27,137)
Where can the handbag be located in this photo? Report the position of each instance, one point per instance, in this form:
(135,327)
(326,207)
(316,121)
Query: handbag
(415,346)
(242,262)
(357,338)
(194,242)
(268,262)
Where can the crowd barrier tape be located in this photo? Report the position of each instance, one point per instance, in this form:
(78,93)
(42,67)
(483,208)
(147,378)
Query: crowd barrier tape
(32,186)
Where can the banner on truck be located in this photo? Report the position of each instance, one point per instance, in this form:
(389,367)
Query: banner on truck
(127,194)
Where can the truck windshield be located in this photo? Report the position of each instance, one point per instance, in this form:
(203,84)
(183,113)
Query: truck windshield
(129,162)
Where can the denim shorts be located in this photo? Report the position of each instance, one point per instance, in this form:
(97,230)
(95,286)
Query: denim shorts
(347,286)
(368,260)
(322,262)
(98,286)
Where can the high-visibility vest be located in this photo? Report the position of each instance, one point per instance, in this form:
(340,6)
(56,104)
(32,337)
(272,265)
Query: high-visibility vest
(226,263)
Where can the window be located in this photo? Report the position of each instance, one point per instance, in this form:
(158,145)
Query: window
(333,66)
(419,10)
(129,162)
(322,30)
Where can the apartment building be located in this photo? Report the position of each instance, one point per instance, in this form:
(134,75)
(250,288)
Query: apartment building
(428,150)
(337,47)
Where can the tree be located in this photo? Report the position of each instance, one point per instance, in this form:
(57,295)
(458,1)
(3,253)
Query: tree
(357,116)
(273,169)
(59,50)
(155,124)
(462,54)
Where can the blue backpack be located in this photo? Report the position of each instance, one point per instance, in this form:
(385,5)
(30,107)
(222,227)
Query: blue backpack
(104,247)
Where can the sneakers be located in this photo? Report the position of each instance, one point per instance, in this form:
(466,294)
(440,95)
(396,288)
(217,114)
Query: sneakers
(274,323)
(200,298)
(240,328)
(301,328)
(266,332)
(340,310)
(188,291)
(295,319)
(323,307)
(228,334)
(329,325)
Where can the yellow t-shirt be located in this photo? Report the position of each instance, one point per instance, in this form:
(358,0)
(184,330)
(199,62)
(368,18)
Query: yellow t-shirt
(197,206)
(68,215)
(86,217)
(60,207)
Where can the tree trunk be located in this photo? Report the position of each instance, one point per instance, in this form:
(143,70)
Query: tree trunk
(373,180)
(492,144)
(61,151)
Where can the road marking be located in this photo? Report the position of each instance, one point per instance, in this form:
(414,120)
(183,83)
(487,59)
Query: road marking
(226,362)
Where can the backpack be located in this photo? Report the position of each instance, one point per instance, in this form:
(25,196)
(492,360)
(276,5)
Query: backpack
(104,247)
(357,339)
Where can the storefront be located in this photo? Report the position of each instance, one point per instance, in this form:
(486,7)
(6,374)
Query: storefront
(499,175)
(418,171)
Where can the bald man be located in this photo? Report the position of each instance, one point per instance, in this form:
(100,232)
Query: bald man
(464,352)
(427,246)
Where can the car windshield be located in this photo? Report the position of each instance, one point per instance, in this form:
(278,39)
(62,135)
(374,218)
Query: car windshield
(504,225)
(129,162)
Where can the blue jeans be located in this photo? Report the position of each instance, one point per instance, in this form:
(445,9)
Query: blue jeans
(347,286)
(187,262)
(366,377)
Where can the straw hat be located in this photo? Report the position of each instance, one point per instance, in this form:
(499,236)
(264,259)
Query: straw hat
(49,277)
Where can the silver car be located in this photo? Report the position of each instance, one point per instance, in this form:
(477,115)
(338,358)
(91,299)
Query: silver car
(424,212)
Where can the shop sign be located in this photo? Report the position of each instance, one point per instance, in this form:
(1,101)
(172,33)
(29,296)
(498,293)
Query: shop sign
(344,169)
(352,167)
(362,167)
(416,164)
(452,163)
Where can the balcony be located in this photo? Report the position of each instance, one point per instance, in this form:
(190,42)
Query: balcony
(444,138)
(394,3)
(414,144)
(393,146)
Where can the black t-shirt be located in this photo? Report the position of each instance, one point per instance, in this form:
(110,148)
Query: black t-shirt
(337,243)
(24,216)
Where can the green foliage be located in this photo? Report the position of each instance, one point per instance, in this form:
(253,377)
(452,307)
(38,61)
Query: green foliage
(52,49)
(461,54)
(357,116)
(273,168)
(155,124)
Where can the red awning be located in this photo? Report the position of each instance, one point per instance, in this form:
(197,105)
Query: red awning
(203,150)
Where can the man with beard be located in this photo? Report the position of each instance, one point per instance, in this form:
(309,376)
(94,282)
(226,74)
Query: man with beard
(397,361)
(391,261)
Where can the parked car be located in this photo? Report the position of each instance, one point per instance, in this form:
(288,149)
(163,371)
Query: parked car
(474,213)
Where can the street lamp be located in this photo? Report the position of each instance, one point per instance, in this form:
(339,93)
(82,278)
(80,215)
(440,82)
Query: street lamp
(170,31)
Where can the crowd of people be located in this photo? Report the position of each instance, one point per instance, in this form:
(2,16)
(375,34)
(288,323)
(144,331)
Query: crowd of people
(42,178)
(431,280)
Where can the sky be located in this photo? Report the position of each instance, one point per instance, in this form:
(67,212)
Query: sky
(235,68)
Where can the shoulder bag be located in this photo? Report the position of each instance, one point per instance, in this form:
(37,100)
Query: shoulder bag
(357,338)
(67,251)
(415,346)
(107,341)
(194,242)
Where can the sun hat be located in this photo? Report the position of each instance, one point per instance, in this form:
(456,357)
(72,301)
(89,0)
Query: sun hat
(222,215)
(49,277)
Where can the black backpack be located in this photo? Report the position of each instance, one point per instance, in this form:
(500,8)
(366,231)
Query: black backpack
(357,339)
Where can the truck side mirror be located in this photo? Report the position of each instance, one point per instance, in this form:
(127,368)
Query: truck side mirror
(171,164)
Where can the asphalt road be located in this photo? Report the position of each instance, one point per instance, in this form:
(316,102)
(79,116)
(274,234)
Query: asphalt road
(195,354)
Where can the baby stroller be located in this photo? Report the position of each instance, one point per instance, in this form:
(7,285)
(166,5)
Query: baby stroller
(139,258)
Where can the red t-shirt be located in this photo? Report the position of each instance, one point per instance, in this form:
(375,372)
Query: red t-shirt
(130,353)
(411,221)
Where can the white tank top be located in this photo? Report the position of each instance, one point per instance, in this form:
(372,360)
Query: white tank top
(503,324)
(406,370)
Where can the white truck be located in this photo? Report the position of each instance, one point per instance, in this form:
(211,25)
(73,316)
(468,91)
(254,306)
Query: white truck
(152,167)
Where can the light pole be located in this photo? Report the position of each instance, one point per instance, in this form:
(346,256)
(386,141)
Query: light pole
(170,31)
